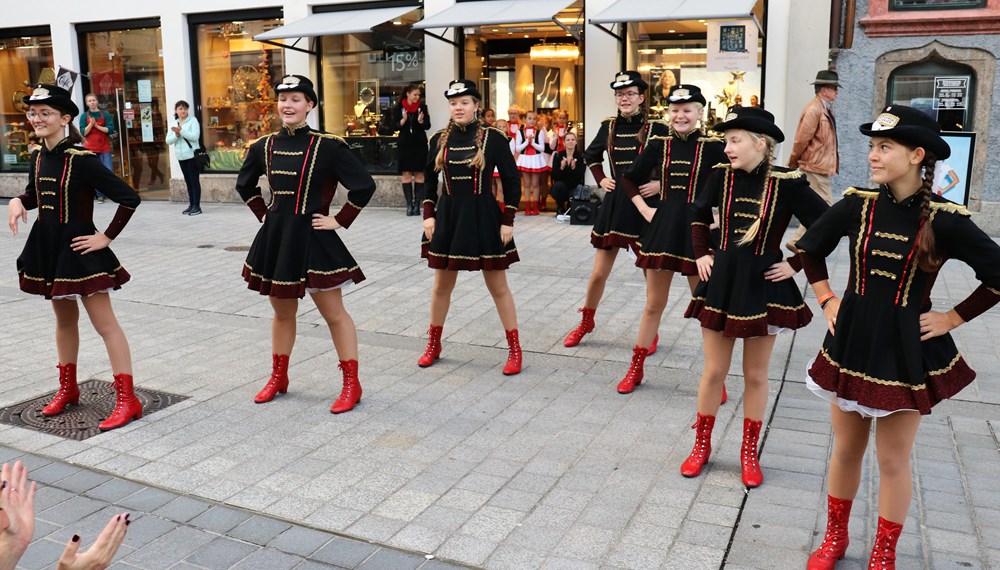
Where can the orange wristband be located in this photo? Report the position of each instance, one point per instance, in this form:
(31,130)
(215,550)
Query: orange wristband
(822,300)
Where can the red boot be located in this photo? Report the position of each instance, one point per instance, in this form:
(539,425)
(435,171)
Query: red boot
(752,475)
(702,446)
(127,406)
(634,375)
(277,383)
(835,542)
(68,392)
(884,550)
(652,347)
(586,325)
(433,350)
(725,396)
(513,365)
(351,394)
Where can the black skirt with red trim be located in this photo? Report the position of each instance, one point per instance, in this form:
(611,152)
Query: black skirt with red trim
(618,223)
(877,359)
(467,235)
(48,266)
(288,257)
(666,241)
(739,302)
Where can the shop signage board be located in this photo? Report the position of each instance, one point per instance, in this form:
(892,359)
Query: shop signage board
(145,87)
(732,45)
(146,119)
(951,92)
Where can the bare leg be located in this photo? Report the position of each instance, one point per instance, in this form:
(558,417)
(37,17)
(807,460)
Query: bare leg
(341,325)
(496,282)
(850,439)
(67,330)
(657,292)
(102,316)
(894,435)
(692,282)
(718,357)
(756,355)
(283,325)
(444,284)
(604,261)
(418,177)
(407,177)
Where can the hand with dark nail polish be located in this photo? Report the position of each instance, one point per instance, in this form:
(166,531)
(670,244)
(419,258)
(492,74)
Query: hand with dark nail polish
(101,553)
(17,513)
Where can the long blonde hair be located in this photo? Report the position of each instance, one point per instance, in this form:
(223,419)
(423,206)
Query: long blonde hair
(769,146)
(479,160)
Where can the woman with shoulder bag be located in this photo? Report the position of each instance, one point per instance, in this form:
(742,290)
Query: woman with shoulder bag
(184,134)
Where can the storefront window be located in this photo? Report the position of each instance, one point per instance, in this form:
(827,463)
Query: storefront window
(124,69)
(934,4)
(943,89)
(235,87)
(723,58)
(24,60)
(363,77)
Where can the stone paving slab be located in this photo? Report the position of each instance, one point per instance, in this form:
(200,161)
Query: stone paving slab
(548,469)
(169,537)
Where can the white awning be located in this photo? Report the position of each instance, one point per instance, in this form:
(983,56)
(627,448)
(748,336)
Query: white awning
(644,11)
(334,23)
(492,12)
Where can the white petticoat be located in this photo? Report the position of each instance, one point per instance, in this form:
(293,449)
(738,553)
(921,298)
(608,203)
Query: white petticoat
(77,295)
(844,404)
(343,285)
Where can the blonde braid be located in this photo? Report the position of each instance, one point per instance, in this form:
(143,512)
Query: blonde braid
(927,258)
(442,144)
(479,160)
(769,145)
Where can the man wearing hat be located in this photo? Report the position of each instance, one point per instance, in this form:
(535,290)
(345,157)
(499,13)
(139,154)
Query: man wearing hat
(814,151)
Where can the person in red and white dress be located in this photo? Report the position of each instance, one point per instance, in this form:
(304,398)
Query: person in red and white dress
(531,161)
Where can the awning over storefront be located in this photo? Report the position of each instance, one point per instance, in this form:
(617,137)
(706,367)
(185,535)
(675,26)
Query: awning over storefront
(491,12)
(630,10)
(334,23)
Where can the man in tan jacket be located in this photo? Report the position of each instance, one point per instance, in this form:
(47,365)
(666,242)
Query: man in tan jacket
(814,151)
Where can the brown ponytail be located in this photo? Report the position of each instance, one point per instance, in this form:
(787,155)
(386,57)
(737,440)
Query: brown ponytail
(74,134)
(926,256)
(442,144)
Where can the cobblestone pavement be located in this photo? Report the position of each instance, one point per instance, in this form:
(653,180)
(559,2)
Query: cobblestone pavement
(548,469)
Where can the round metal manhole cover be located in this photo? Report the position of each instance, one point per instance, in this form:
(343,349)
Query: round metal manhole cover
(238,248)
(97,400)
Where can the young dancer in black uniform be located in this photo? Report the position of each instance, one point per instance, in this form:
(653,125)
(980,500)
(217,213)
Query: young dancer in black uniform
(618,223)
(745,290)
(65,258)
(888,357)
(297,250)
(683,159)
(463,228)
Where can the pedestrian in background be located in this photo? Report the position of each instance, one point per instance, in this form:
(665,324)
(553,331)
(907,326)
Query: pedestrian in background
(568,170)
(184,135)
(887,357)
(297,249)
(97,128)
(413,120)
(814,150)
(65,258)
(463,228)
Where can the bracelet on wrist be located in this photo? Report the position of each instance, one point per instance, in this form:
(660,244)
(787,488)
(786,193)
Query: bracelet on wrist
(826,301)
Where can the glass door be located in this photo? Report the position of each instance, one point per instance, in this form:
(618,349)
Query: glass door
(126,74)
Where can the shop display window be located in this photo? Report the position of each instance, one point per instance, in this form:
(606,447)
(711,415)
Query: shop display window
(690,51)
(24,61)
(363,77)
(235,90)
(943,89)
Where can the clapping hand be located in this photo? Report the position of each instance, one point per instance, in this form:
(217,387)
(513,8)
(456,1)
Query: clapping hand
(17,514)
(101,553)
